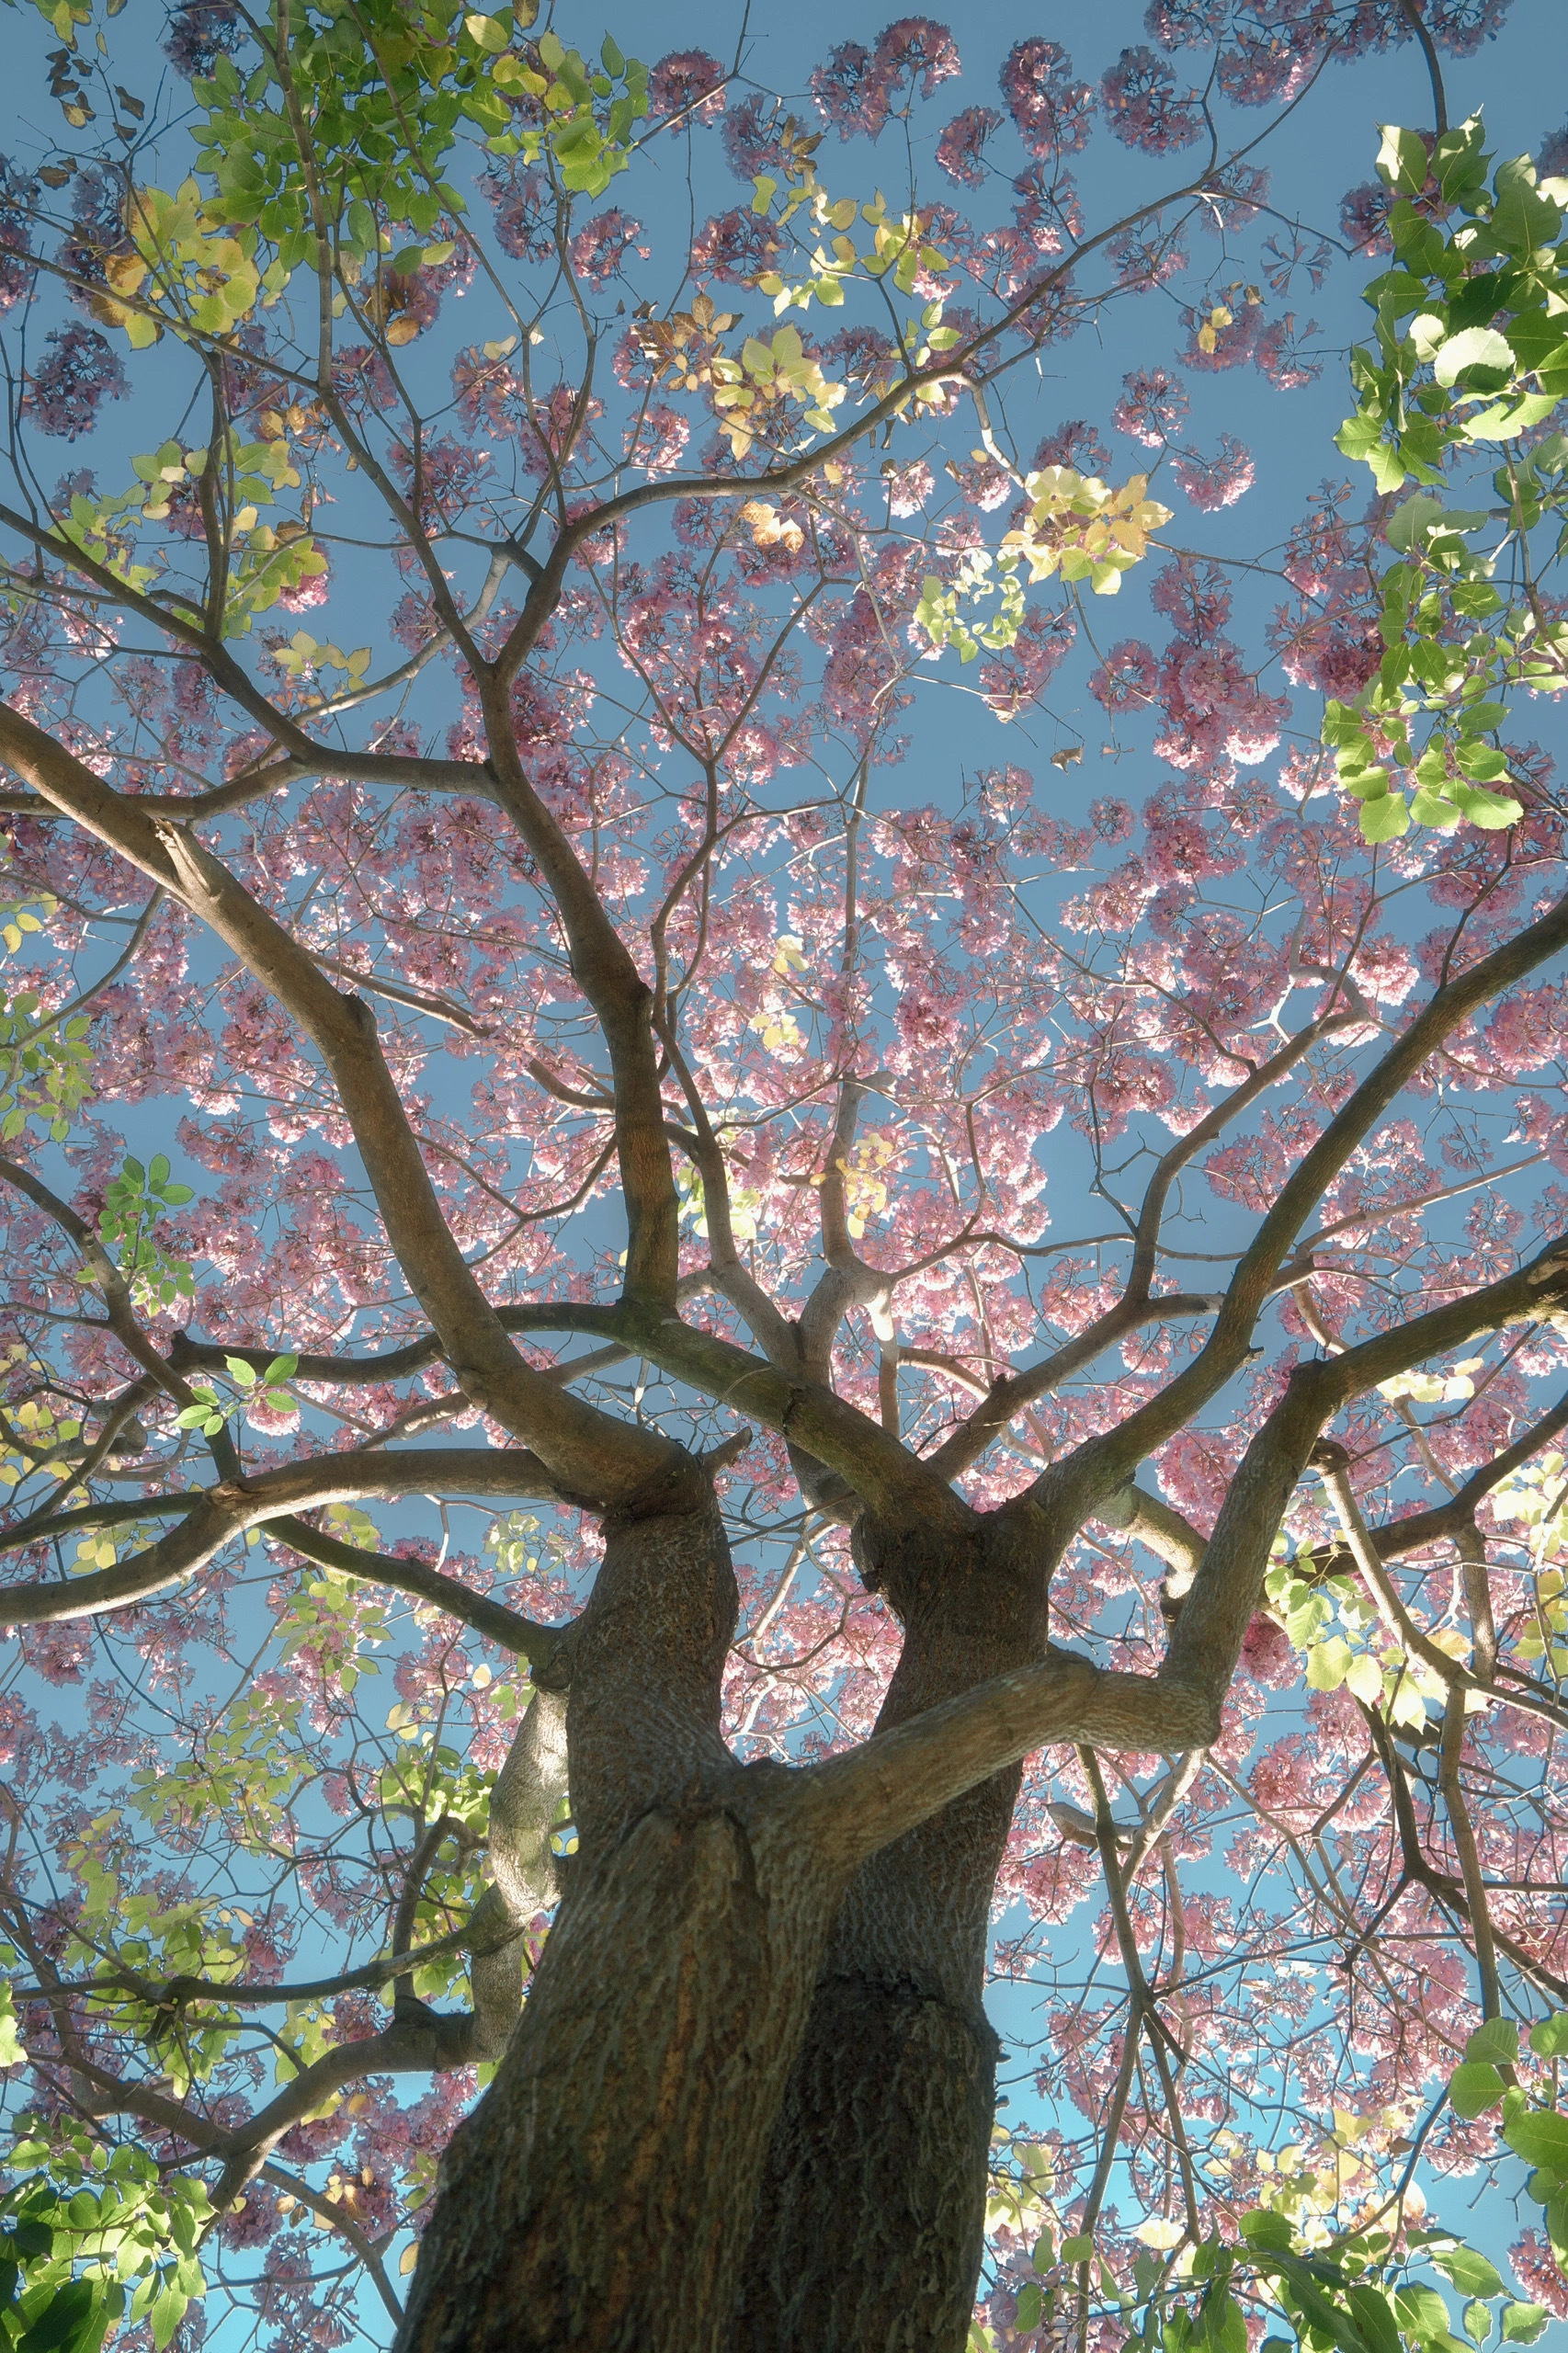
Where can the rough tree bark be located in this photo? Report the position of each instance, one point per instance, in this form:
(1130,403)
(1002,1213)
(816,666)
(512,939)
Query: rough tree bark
(598,2195)
(869,2225)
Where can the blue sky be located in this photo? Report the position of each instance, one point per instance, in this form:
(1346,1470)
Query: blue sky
(1330,146)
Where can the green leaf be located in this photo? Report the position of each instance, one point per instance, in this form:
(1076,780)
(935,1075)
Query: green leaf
(1492,810)
(1470,2272)
(1474,2088)
(1386,817)
(1540,2137)
(1402,159)
(1359,436)
(1409,523)
(1078,2249)
(1474,347)
(1223,2327)
(167,2314)
(1375,2314)
(1494,2039)
(1479,717)
(1261,2226)
(488,32)
(1522,219)
(65,2320)
(1522,2323)
(1421,2311)
(240,1373)
(1032,2302)
(1338,2324)
(1328,1662)
(1549,2036)
(1478,2321)
(1389,467)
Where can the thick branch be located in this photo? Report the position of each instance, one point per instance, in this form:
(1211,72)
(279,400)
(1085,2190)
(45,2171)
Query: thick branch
(598,1460)
(508,1629)
(1101,1464)
(623,1003)
(853,1805)
(219,1514)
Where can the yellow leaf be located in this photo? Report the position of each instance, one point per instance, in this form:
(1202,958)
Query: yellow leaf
(1364,1677)
(125,272)
(767,529)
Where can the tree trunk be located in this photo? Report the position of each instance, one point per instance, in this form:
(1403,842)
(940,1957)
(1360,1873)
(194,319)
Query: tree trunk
(602,2194)
(870,2222)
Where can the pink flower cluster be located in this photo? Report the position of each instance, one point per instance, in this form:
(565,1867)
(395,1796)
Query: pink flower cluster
(1219,481)
(959,149)
(17,196)
(80,372)
(599,249)
(685,88)
(1185,24)
(1152,405)
(856,89)
(524,213)
(1053,112)
(1138,94)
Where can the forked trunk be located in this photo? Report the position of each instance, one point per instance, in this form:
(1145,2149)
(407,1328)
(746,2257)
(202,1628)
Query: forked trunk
(738,2113)
(601,2195)
(869,2227)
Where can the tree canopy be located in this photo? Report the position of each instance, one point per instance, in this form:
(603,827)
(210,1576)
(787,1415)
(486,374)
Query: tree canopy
(752,1285)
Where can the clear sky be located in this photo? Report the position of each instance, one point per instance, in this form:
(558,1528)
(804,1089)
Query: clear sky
(1519,79)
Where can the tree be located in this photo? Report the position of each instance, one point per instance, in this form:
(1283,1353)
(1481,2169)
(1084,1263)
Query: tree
(613,1074)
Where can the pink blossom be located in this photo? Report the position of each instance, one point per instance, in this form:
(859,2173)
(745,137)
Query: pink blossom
(200,33)
(599,249)
(1052,112)
(1551,156)
(1185,24)
(17,197)
(1139,95)
(1152,405)
(1145,257)
(1128,678)
(688,85)
(1363,218)
(1218,481)
(1075,444)
(909,485)
(751,136)
(524,212)
(62,396)
(959,150)
(737,246)
(1194,597)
